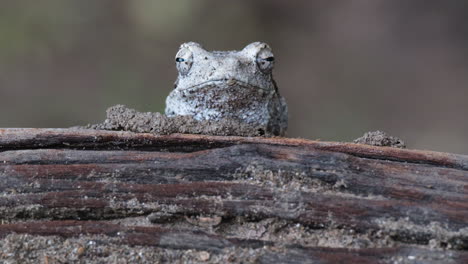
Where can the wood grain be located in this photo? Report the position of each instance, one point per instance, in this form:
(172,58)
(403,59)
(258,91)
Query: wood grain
(70,182)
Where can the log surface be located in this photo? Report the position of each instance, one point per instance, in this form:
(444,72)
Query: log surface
(230,199)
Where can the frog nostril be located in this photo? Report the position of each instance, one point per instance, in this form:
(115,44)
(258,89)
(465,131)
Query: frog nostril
(231,82)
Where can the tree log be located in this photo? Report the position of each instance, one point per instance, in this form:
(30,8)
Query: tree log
(229,199)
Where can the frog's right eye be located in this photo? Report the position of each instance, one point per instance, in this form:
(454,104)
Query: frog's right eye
(184,61)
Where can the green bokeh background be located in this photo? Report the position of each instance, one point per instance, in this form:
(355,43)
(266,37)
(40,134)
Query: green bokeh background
(345,67)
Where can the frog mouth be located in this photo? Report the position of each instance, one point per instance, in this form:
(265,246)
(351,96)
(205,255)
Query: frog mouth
(229,82)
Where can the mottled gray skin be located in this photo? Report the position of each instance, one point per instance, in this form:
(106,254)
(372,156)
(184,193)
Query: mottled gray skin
(228,84)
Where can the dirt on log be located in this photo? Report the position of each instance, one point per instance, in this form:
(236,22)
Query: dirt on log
(71,195)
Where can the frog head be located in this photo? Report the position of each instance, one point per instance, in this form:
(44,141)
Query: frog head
(250,67)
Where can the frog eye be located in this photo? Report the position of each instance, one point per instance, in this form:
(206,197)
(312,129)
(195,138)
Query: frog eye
(184,60)
(265,60)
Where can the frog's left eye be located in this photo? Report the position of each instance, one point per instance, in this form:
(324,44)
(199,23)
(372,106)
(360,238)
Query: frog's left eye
(265,60)
(184,61)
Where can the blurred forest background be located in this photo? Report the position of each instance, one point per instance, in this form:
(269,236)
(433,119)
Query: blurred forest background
(345,67)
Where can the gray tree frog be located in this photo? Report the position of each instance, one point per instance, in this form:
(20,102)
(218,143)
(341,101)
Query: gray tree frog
(228,84)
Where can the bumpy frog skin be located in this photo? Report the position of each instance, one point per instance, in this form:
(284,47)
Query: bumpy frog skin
(228,84)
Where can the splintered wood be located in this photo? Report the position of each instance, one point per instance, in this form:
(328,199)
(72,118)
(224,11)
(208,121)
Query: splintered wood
(228,199)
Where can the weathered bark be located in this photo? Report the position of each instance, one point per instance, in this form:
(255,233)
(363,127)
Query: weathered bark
(197,189)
